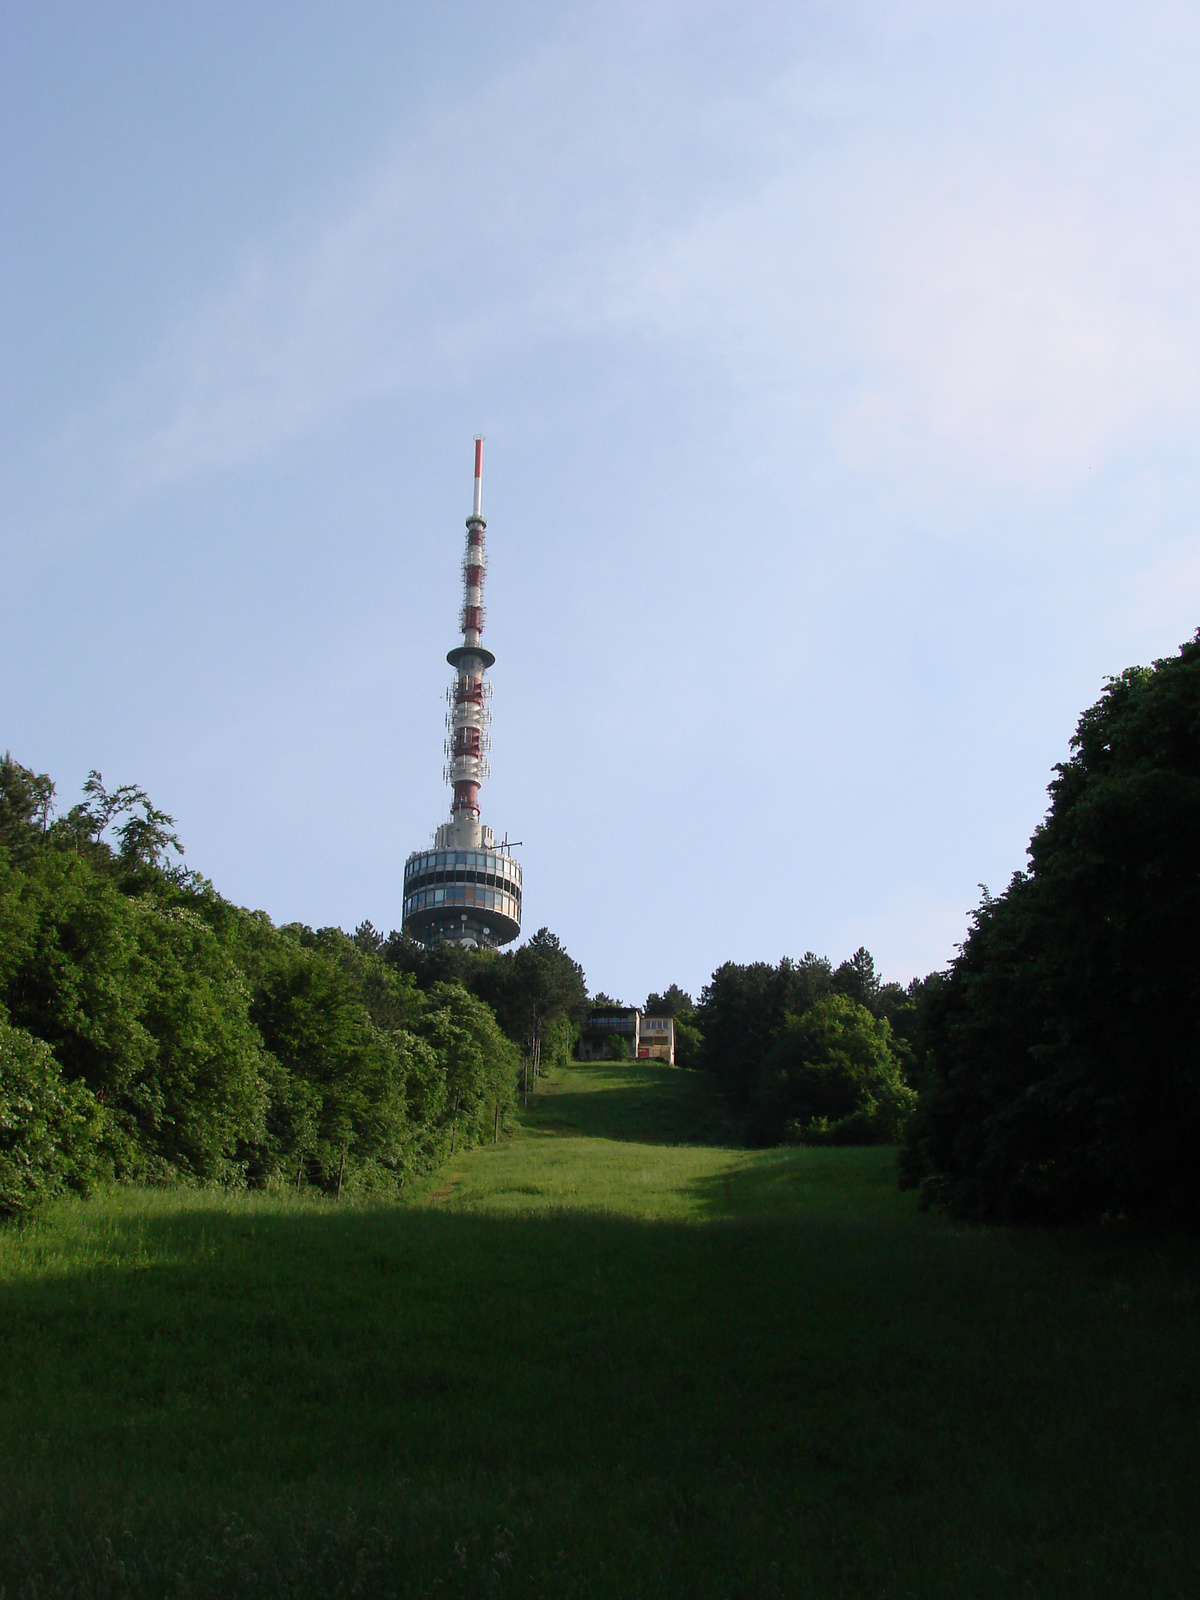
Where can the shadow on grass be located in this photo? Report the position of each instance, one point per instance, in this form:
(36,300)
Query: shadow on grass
(856,1185)
(636,1103)
(243,1397)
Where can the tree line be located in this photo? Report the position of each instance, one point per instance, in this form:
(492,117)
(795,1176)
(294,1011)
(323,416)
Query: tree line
(805,1051)
(1064,1042)
(1052,1072)
(151,1031)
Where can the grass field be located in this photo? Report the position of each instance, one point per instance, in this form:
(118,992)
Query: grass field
(609,1357)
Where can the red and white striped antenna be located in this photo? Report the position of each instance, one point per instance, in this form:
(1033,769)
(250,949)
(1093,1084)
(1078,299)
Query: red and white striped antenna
(477,507)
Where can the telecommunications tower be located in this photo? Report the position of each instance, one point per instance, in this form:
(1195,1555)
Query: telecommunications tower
(466,890)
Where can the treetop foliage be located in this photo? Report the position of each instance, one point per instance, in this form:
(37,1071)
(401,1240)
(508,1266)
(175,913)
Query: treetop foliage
(671,1003)
(779,1039)
(832,1077)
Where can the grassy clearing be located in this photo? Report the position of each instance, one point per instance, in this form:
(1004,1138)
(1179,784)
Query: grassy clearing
(586,1364)
(580,1150)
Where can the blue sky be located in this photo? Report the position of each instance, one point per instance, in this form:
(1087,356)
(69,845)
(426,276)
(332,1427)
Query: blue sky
(840,372)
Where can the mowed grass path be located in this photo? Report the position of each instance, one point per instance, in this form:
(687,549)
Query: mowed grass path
(609,1357)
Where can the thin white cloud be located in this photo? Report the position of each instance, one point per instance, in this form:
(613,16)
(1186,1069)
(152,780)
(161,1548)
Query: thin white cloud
(940,305)
(955,313)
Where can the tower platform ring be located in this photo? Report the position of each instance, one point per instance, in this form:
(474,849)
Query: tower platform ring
(460,650)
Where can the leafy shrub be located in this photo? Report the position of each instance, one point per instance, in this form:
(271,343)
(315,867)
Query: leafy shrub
(831,1077)
(689,1042)
(49,1128)
(139,999)
(481,1065)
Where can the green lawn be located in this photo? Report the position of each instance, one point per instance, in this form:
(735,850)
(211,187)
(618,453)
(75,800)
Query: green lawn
(608,1357)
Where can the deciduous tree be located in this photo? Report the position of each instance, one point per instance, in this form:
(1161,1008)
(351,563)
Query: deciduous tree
(1064,1046)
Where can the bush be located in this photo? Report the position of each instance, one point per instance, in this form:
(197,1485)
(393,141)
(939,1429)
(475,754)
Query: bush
(49,1128)
(481,1065)
(831,1077)
(344,1092)
(689,1042)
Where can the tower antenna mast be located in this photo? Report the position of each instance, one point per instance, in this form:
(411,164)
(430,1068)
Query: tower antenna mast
(466,890)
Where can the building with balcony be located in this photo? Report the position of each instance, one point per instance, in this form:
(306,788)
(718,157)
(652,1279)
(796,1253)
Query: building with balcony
(646,1038)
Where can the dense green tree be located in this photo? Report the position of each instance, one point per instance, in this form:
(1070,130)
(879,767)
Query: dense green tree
(345,1089)
(535,987)
(537,992)
(857,978)
(203,1092)
(138,1001)
(831,1077)
(145,839)
(750,1020)
(49,1127)
(907,1009)
(444,963)
(689,1041)
(198,1040)
(670,1003)
(71,970)
(742,1009)
(367,939)
(26,804)
(558,1041)
(480,1064)
(1064,1052)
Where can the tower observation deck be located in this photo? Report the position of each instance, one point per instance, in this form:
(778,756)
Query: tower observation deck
(467,889)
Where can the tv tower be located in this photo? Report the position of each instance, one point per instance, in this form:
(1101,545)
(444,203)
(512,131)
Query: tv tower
(466,890)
